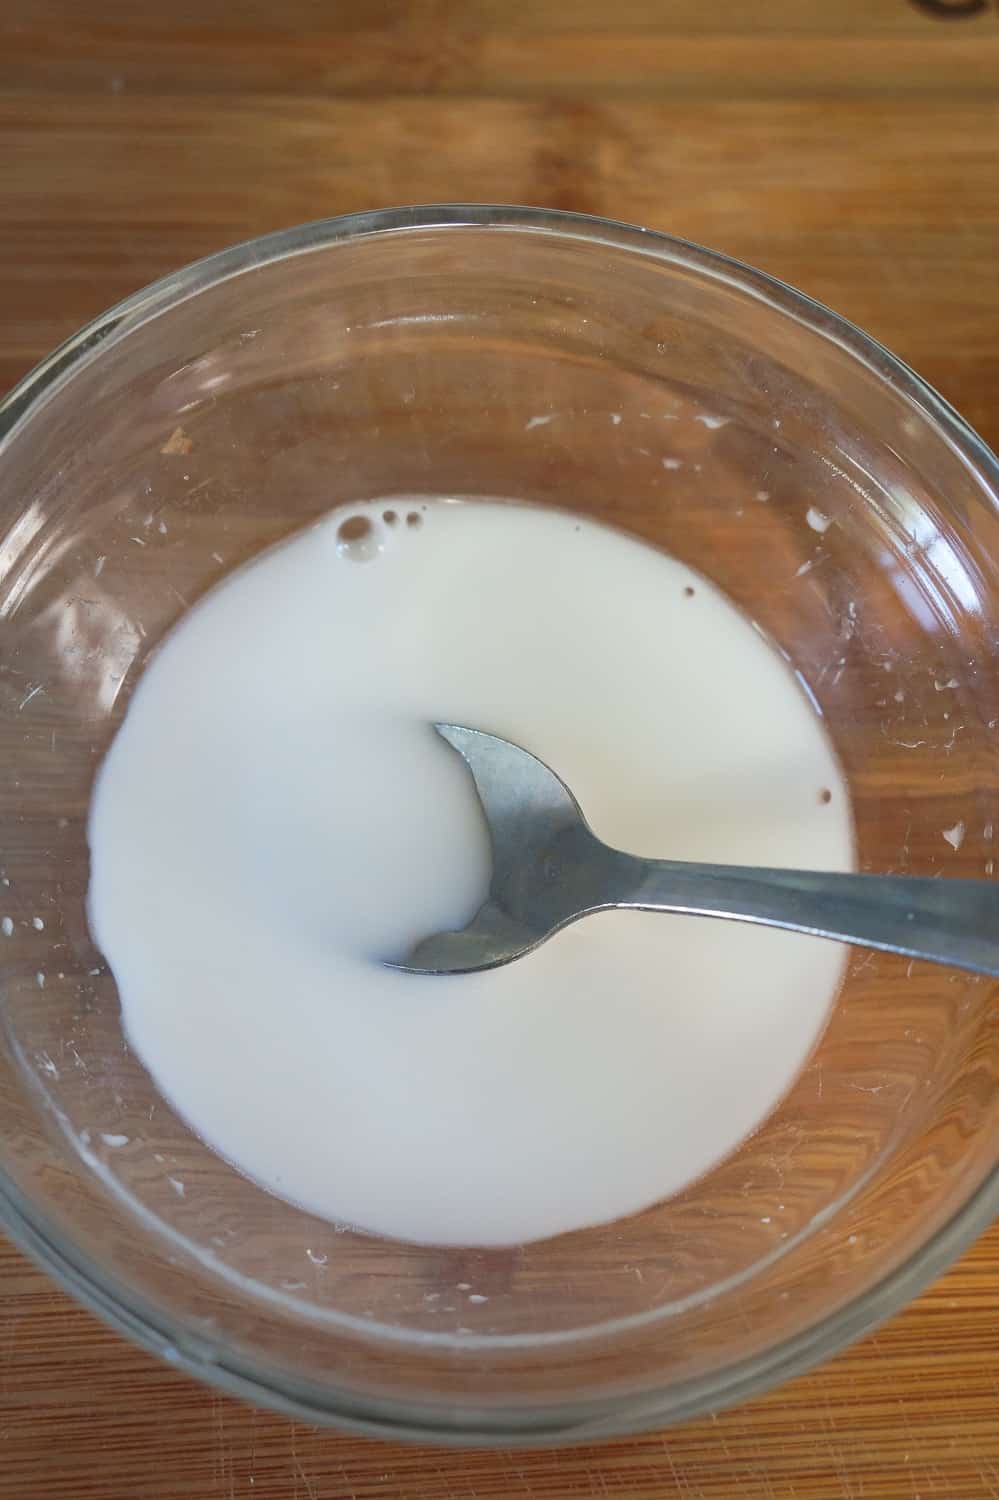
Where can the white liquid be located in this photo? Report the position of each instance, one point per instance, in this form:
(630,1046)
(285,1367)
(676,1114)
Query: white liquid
(276,815)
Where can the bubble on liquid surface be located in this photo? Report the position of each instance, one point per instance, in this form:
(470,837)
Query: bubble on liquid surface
(357,539)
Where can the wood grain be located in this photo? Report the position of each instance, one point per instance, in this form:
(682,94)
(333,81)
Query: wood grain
(912,1411)
(851,148)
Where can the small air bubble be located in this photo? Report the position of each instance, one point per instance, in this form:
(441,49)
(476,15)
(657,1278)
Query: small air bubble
(354,529)
(357,539)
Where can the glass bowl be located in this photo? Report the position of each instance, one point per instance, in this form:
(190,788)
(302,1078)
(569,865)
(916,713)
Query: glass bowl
(839,502)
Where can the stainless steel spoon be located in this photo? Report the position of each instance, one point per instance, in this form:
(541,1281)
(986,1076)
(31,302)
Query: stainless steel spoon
(550,869)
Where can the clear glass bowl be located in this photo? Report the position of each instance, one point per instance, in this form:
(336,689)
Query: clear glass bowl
(842,504)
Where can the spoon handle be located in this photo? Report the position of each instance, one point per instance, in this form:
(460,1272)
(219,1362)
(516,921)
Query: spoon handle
(947,921)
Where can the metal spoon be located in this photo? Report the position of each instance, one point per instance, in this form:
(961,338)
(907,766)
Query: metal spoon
(550,869)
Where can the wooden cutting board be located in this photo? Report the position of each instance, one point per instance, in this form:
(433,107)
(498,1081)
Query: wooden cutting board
(848,146)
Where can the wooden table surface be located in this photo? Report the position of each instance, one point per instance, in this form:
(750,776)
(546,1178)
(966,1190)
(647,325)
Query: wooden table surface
(849,146)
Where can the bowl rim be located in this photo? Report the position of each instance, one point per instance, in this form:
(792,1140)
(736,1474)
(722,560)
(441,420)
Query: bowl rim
(232,1370)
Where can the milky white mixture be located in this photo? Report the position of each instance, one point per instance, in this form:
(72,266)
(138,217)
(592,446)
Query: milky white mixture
(276,816)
